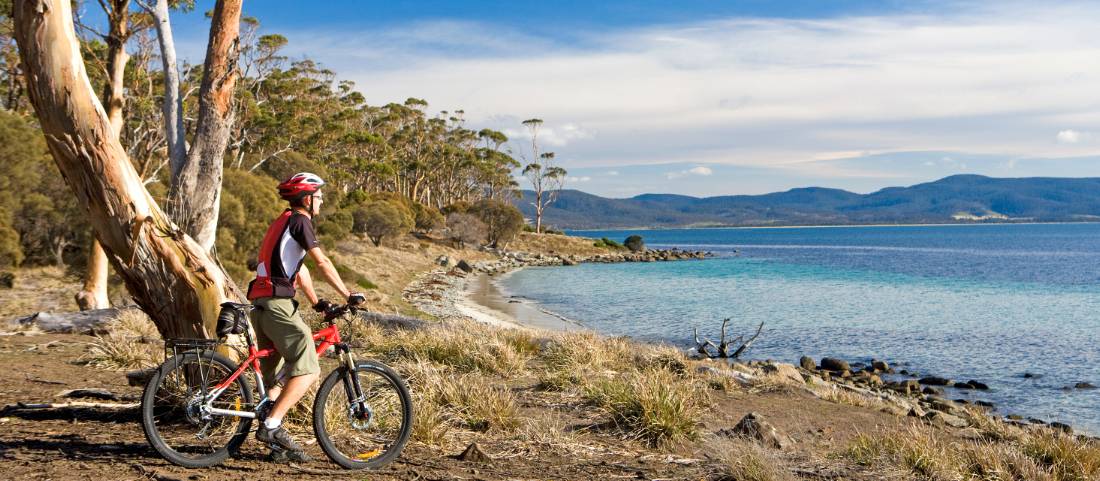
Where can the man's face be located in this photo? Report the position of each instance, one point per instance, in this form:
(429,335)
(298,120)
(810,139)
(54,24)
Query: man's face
(315,207)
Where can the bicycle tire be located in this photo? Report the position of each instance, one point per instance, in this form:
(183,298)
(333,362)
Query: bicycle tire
(157,384)
(322,429)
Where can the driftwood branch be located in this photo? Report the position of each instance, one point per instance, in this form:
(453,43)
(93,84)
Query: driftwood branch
(722,349)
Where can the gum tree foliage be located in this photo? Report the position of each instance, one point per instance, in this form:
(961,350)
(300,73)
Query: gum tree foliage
(634,243)
(502,220)
(381,219)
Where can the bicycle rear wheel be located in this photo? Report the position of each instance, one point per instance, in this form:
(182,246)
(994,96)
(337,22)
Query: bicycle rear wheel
(363,419)
(173,421)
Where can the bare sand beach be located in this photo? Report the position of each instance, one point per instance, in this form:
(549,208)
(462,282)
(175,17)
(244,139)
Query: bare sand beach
(482,296)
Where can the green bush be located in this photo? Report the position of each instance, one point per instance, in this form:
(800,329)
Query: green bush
(425,218)
(460,207)
(465,229)
(634,243)
(606,243)
(249,204)
(380,219)
(502,220)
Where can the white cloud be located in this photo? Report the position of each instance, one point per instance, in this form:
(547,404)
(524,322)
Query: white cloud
(612,173)
(1068,137)
(699,170)
(991,78)
(578,179)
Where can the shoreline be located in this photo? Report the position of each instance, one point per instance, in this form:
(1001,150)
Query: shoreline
(831,226)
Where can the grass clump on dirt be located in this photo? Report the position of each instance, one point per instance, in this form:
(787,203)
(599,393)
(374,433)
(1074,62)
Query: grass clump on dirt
(1043,455)
(131,342)
(741,460)
(655,405)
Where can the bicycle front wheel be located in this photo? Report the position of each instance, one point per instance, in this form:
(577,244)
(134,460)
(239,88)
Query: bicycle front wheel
(363,419)
(172,415)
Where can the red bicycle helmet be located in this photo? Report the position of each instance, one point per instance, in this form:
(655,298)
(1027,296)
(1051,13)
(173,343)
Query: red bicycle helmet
(300,185)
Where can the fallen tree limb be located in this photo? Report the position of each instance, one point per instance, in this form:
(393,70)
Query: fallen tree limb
(20,406)
(704,346)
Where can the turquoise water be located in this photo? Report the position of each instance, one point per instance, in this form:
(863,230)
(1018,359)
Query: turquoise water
(967,302)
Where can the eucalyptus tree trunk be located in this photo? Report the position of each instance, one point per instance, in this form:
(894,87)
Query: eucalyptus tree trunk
(172,278)
(196,185)
(94,293)
(173,103)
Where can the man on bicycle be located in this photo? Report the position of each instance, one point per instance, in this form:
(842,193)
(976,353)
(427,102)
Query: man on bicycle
(279,271)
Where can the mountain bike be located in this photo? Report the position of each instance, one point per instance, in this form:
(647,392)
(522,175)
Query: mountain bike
(198,407)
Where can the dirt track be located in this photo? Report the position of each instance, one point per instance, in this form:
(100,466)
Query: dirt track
(102,444)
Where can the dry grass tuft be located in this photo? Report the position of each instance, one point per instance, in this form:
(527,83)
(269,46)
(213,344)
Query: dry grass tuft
(550,431)
(741,460)
(654,405)
(1037,456)
(132,342)
(445,399)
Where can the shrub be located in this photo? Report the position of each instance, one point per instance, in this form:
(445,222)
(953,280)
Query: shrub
(465,229)
(249,204)
(502,220)
(606,243)
(426,218)
(379,219)
(460,207)
(634,243)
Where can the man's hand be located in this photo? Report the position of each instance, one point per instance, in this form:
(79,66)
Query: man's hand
(322,306)
(356,298)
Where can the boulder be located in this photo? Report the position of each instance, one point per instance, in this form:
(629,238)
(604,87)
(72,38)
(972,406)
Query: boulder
(833,364)
(1031,375)
(464,266)
(785,372)
(944,405)
(1063,427)
(754,426)
(935,381)
(1084,385)
(917,412)
(568,261)
(880,366)
(807,363)
(941,418)
(932,391)
(474,454)
(981,386)
(7,280)
(963,385)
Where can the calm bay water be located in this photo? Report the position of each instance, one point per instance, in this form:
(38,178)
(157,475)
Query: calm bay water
(984,302)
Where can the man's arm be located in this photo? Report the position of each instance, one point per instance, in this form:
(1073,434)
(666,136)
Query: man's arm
(305,281)
(328,272)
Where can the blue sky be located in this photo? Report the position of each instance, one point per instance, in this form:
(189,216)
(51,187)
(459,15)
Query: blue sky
(708,97)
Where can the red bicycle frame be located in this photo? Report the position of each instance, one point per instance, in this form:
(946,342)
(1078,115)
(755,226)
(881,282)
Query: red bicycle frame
(327,337)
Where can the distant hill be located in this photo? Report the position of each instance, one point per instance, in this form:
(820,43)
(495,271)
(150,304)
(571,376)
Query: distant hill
(959,198)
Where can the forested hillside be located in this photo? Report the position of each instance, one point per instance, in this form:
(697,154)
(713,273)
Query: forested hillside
(959,198)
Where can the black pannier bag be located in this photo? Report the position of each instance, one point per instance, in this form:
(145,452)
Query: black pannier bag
(231,320)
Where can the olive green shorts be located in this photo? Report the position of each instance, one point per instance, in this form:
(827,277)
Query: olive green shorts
(277,324)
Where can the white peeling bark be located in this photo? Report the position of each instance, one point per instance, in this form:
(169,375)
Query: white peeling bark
(169,275)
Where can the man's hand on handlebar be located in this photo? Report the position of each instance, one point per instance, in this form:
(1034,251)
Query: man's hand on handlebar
(322,306)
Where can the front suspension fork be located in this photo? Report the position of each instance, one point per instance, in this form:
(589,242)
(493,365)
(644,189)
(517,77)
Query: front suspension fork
(357,400)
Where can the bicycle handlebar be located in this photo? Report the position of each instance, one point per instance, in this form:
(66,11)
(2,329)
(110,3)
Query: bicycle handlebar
(335,312)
